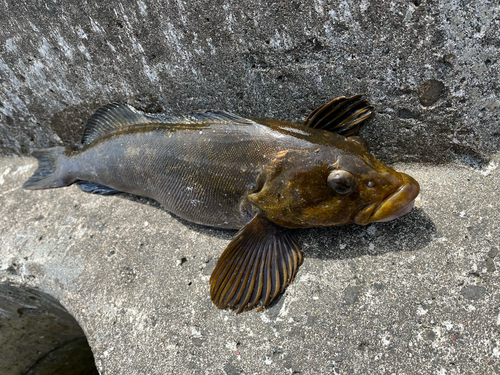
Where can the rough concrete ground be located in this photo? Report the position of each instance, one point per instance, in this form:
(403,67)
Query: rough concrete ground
(416,295)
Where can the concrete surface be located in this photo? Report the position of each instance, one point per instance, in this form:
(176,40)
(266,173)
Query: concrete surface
(416,295)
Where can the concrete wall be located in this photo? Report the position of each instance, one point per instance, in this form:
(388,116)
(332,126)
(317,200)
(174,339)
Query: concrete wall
(430,67)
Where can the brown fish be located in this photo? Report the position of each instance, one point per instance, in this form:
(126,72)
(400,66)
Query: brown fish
(225,171)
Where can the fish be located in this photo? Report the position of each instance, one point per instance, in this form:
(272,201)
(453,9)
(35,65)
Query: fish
(263,177)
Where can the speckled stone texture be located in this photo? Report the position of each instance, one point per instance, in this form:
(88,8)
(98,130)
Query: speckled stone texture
(416,295)
(430,67)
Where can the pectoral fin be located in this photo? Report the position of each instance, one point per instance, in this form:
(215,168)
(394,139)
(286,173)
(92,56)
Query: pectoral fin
(342,115)
(258,264)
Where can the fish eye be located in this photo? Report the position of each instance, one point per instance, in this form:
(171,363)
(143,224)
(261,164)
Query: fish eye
(360,141)
(342,182)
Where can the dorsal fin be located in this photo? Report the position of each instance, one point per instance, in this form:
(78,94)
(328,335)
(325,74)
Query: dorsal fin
(116,116)
(342,115)
(216,117)
(112,117)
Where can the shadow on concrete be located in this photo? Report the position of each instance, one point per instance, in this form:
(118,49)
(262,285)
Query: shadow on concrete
(408,233)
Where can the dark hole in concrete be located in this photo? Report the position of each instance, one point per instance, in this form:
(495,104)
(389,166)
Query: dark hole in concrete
(39,336)
(429,92)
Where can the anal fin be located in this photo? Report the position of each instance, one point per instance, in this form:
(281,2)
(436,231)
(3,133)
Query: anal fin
(258,264)
(95,188)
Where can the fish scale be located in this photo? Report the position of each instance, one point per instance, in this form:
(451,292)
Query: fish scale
(192,182)
(218,169)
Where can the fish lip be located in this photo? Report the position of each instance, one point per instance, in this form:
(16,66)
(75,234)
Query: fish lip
(394,205)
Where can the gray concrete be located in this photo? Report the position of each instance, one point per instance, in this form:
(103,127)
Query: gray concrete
(431,67)
(417,295)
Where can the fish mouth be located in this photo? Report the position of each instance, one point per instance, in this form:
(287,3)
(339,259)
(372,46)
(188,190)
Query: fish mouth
(396,204)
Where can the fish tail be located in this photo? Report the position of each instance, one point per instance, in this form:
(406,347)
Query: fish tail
(50,172)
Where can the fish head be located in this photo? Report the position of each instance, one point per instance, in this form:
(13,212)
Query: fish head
(330,186)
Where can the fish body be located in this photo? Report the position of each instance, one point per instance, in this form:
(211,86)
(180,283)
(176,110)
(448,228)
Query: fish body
(225,171)
(201,172)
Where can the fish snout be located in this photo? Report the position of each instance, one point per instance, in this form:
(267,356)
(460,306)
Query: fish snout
(397,204)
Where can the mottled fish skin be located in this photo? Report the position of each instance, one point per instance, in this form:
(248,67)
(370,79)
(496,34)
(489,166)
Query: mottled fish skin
(221,170)
(202,173)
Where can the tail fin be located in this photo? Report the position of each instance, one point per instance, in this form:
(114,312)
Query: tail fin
(48,175)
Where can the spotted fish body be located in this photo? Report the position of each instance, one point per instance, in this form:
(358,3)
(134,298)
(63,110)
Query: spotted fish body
(225,171)
(202,172)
